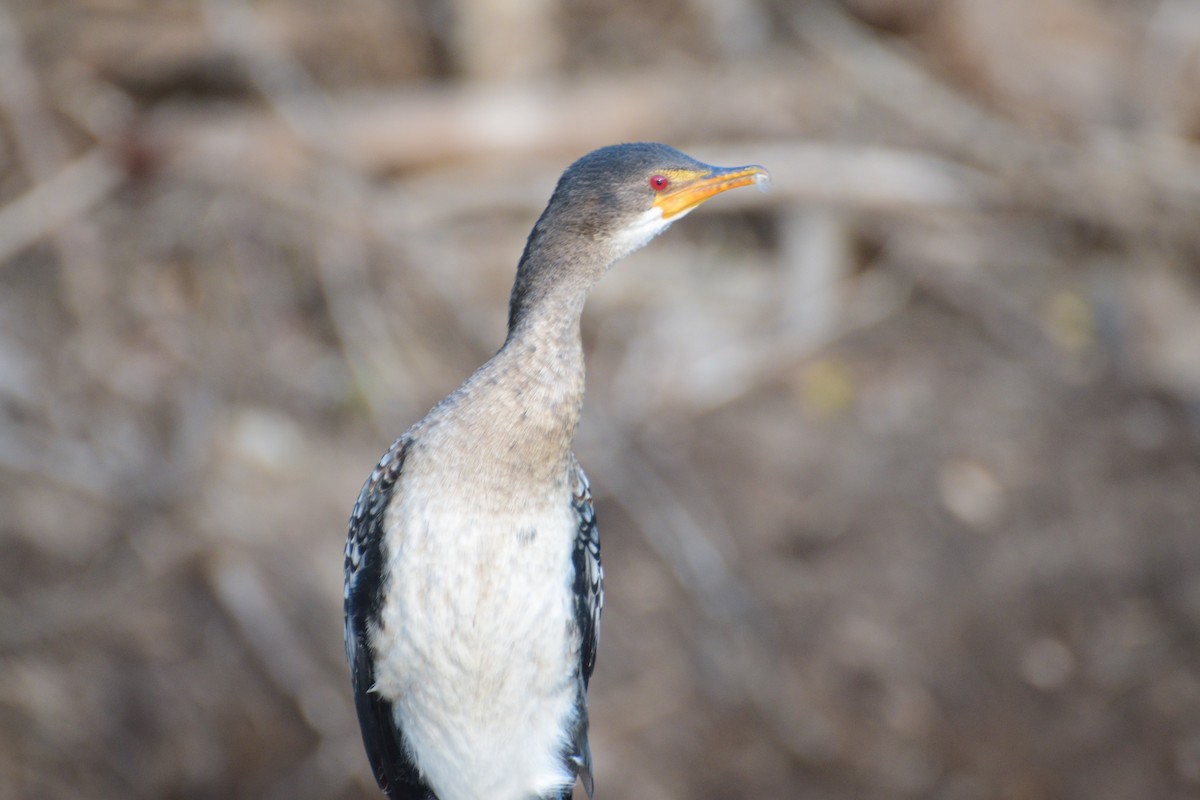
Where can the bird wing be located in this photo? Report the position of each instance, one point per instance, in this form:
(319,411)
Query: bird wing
(394,769)
(589,600)
(589,574)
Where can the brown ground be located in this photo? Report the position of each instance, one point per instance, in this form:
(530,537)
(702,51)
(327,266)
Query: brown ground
(896,465)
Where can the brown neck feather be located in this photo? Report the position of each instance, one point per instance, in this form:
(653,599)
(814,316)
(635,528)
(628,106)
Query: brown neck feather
(514,419)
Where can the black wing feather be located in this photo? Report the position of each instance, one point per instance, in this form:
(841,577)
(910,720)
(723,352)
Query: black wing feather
(394,769)
(589,574)
(588,589)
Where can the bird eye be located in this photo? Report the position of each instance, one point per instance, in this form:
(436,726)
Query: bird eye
(658,182)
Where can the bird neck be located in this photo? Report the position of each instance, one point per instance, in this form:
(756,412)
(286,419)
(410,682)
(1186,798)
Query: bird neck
(514,419)
(563,260)
(518,413)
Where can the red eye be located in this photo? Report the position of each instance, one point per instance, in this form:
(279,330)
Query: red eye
(658,182)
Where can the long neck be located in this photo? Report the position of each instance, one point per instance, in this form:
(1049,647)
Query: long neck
(563,259)
(518,413)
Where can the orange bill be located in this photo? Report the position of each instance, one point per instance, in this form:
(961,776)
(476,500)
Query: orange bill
(690,189)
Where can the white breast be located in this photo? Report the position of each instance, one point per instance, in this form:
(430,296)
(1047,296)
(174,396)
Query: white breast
(474,650)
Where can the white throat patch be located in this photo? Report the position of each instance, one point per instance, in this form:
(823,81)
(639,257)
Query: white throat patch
(641,230)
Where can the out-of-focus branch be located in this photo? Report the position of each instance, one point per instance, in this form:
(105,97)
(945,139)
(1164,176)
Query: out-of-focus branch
(42,150)
(55,201)
(1104,177)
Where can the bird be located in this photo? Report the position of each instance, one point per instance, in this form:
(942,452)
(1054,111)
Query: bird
(473,582)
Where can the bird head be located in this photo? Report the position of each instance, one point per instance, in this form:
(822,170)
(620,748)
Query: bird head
(620,197)
(606,205)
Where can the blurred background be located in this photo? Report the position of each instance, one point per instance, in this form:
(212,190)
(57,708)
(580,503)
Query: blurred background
(896,465)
